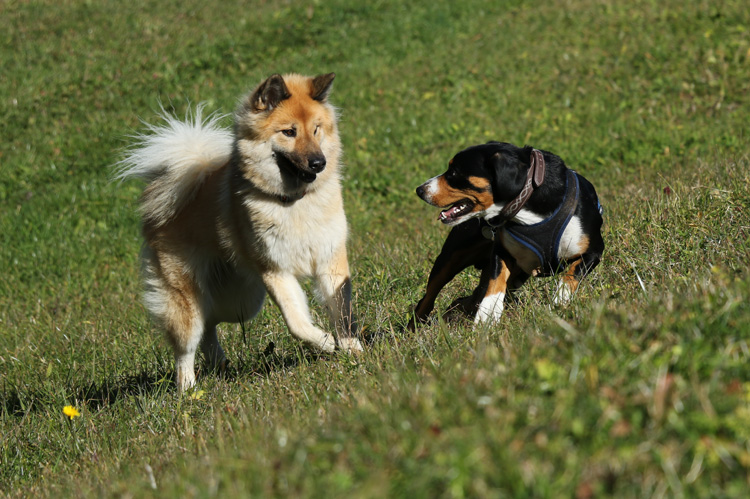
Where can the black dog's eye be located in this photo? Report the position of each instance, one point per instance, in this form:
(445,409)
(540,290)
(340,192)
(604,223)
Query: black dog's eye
(289,132)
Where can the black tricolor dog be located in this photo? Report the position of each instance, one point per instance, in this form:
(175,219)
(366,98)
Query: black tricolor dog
(517,212)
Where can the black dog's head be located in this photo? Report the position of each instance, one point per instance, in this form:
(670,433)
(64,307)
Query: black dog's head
(478,182)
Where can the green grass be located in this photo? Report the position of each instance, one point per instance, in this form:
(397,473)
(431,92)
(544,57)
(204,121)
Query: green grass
(641,387)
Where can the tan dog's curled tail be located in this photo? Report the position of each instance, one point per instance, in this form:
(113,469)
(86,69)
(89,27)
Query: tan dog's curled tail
(174,159)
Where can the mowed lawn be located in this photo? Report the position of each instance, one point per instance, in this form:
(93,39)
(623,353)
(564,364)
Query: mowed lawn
(640,387)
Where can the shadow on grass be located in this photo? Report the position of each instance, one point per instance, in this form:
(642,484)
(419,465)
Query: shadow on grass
(18,401)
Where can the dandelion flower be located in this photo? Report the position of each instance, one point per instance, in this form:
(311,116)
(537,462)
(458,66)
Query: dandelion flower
(197,395)
(70,411)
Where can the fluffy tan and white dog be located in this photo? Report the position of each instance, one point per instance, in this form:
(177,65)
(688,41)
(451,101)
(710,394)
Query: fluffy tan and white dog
(229,216)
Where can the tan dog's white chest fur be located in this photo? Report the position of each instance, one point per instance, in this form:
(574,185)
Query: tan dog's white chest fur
(301,238)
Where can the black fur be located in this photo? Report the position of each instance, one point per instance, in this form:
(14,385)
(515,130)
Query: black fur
(505,166)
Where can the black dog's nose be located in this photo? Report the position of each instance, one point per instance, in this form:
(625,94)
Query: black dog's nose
(420,191)
(317,164)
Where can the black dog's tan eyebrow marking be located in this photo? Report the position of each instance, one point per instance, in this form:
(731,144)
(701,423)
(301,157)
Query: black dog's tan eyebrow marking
(466,183)
(476,189)
(483,189)
(479,184)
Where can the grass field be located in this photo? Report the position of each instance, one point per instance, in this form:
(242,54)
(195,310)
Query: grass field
(641,387)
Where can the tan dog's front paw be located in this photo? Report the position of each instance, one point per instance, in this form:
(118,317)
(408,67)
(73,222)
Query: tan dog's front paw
(350,345)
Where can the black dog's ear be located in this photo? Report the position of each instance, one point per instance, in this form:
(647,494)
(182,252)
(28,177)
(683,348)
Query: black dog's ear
(509,174)
(496,167)
(321,86)
(269,94)
(525,154)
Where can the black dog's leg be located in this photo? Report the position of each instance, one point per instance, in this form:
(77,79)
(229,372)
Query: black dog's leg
(468,305)
(465,246)
(592,245)
(516,280)
(578,269)
(498,279)
(500,275)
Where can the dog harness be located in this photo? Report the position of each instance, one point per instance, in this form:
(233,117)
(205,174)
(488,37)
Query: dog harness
(543,238)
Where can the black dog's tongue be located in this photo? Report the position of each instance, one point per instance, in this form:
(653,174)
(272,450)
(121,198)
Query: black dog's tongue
(447,215)
(452,213)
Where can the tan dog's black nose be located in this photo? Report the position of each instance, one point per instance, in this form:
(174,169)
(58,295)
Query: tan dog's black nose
(317,163)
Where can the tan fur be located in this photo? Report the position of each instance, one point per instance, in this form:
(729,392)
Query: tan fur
(583,244)
(482,198)
(444,195)
(570,279)
(243,224)
(500,283)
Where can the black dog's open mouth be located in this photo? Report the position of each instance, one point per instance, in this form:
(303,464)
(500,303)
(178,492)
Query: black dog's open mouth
(456,211)
(289,167)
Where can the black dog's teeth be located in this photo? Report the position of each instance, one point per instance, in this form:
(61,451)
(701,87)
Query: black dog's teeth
(452,212)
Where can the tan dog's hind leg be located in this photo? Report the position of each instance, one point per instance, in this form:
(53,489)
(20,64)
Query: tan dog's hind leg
(335,289)
(171,298)
(289,296)
(212,350)
(184,327)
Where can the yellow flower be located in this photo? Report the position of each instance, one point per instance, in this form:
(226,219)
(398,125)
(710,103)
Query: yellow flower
(197,395)
(70,411)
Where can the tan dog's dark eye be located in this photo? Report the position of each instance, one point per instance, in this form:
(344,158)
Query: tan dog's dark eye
(317,129)
(289,132)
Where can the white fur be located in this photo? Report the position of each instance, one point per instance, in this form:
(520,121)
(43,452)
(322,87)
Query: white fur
(430,188)
(180,154)
(570,242)
(562,294)
(524,217)
(296,237)
(154,295)
(490,309)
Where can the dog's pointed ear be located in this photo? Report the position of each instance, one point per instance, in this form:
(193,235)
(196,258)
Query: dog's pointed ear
(321,86)
(269,94)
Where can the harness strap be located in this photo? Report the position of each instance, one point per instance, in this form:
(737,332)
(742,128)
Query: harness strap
(543,238)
